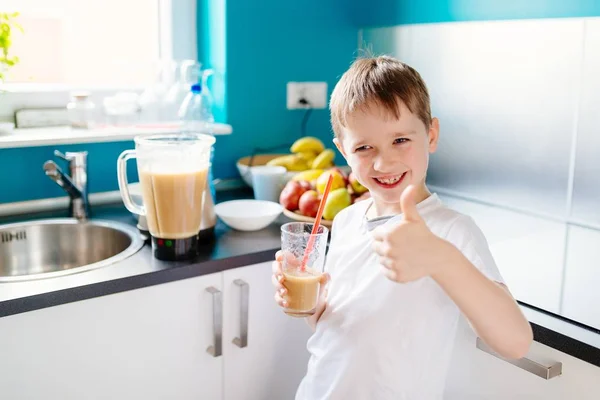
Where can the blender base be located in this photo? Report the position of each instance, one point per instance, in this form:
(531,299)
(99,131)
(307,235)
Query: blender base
(174,249)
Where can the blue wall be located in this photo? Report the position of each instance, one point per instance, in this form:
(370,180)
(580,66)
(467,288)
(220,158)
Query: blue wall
(258,46)
(22,177)
(269,43)
(375,13)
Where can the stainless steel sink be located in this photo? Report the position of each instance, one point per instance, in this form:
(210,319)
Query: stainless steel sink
(56,247)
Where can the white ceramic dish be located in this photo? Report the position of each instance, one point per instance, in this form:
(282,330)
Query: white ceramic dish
(248,215)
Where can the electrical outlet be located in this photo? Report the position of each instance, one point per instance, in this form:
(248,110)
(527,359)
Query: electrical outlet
(313,92)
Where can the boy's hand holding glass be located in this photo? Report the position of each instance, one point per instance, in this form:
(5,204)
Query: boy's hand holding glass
(281,291)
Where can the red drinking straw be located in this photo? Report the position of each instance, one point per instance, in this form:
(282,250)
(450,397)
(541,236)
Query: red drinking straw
(315,229)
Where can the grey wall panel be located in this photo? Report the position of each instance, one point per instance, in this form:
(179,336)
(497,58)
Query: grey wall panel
(505,93)
(528,251)
(582,278)
(586,184)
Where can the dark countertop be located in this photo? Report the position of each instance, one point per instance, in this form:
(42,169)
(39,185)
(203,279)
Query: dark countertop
(230,249)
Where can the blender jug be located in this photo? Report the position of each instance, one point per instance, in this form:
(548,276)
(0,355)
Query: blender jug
(173,172)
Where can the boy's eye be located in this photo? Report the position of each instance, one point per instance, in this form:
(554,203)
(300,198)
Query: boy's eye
(363,148)
(400,140)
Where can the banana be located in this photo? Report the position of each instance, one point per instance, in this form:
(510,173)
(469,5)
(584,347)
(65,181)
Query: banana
(291,162)
(308,156)
(307,143)
(308,175)
(323,160)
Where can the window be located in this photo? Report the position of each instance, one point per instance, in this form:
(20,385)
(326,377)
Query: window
(100,43)
(108,42)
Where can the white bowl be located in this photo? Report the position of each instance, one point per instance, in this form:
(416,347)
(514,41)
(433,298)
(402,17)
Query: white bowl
(248,215)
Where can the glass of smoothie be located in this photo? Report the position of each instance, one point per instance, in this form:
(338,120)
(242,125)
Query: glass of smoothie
(302,280)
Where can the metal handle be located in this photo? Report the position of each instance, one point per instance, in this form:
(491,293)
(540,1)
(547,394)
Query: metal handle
(216,349)
(536,368)
(55,173)
(242,340)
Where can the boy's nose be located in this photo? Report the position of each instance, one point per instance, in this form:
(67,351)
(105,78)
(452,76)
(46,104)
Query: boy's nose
(385,162)
(379,164)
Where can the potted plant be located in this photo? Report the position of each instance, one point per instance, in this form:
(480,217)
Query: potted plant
(8,24)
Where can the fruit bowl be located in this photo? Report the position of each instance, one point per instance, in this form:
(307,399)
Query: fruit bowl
(263,159)
(306,154)
(302,218)
(301,198)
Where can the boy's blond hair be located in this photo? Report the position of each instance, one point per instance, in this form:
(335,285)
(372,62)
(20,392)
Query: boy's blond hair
(379,81)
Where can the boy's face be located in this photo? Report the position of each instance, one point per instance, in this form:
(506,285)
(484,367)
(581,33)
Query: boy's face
(388,154)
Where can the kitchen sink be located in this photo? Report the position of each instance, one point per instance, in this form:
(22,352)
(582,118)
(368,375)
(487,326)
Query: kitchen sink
(56,247)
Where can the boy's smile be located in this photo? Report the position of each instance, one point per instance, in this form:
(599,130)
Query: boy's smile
(387,154)
(390,181)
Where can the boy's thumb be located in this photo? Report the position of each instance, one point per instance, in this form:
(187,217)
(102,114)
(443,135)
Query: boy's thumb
(408,202)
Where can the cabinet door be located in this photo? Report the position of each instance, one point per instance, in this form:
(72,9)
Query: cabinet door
(477,375)
(149,343)
(273,361)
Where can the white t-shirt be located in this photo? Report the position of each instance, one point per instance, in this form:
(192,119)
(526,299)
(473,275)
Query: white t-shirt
(379,339)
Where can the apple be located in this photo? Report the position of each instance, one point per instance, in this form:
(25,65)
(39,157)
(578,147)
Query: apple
(339,181)
(339,171)
(306,185)
(290,195)
(309,203)
(338,200)
(357,187)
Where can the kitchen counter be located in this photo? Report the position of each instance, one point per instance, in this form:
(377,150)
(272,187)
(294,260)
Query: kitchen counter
(230,249)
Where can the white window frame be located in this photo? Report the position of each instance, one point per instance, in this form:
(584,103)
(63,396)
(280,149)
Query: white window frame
(177,40)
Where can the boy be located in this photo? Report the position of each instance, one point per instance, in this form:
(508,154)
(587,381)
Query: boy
(403,266)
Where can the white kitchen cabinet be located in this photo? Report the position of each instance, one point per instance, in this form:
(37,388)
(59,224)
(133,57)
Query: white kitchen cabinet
(151,344)
(273,361)
(145,344)
(477,375)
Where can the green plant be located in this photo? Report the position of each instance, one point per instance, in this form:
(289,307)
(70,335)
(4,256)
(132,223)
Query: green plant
(7,25)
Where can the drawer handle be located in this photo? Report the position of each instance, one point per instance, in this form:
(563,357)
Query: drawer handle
(242,340)
(216,349)
(536,368)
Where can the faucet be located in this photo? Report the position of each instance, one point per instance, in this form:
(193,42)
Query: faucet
(75,185)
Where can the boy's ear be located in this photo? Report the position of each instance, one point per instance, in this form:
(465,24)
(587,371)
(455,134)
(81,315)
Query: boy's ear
(434,134)
(339,146)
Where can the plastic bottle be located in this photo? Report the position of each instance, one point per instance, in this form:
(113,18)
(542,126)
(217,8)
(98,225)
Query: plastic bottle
(195,115)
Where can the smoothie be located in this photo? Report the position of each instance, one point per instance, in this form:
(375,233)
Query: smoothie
(302,291)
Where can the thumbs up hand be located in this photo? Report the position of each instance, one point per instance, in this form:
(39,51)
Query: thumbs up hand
(408,250)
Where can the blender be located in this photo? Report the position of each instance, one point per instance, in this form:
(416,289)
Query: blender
(173,172)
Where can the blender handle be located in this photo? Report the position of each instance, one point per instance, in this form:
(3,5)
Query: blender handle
(122,178)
